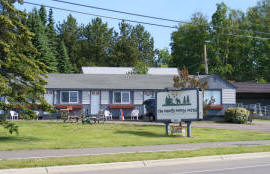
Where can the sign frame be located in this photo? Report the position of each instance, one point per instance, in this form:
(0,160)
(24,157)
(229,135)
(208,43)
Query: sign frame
(198,91)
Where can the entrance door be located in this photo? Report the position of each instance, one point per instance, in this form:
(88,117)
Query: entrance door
(148,95)
(95,102)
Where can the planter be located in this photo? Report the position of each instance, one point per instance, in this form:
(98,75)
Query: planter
(121,106)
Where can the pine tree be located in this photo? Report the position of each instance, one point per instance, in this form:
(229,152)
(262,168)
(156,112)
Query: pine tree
(41,39)
(42,44)
(69,33)
(43,15)
(64,65)
(51,34)
(21,75)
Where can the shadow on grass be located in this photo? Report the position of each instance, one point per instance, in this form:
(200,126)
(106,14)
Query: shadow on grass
(141,133)
(17,139)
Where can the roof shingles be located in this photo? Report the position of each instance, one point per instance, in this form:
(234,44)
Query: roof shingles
(249,87)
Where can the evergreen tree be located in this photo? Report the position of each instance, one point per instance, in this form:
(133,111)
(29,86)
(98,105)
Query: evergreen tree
(52,35)
(64,65)
(144,43)
(21,75)
(69,32)
(97,44)
(43,15)
(41,40)
(125,52)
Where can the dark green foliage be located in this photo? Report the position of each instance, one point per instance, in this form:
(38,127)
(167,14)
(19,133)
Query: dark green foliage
(187,44)
(22,76)
(97,44)
(11,127)
(69,32)
(234,51)
(41,41)
(43,15)
(164,58)
(64,65)
(236,115)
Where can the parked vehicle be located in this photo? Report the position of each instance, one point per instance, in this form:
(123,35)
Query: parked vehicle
(150,106)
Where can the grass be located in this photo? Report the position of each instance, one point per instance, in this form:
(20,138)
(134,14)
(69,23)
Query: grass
(56,135)
(45,162)
(259,120)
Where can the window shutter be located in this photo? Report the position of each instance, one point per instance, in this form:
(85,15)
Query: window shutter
(138,97)
(228,96)
(105,97)
(85,97)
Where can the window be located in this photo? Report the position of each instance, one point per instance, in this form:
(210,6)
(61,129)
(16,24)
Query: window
(69,96)
(215,94)
(121,97)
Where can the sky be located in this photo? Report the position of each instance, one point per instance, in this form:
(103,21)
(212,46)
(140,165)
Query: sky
(170,9)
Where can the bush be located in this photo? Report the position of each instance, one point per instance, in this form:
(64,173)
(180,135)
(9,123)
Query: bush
(236,115)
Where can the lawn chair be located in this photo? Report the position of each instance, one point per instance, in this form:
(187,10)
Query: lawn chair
(135,113)
(107,115)
(14,115)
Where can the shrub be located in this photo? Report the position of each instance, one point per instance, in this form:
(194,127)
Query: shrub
(236,115)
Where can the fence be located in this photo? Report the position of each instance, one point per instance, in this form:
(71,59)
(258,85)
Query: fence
(256,110)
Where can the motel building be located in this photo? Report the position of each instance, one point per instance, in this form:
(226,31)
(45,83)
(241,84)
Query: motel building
(117,90)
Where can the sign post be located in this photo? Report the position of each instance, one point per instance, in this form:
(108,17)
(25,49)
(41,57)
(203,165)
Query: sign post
(179,105)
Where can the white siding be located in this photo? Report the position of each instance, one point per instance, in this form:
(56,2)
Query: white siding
(105,97)
(138,97)
(86,97)
(49,97)
(228,96)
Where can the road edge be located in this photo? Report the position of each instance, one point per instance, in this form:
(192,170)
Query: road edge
(133,164)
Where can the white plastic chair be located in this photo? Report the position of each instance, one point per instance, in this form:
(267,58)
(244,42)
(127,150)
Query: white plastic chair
(37,113)
(107,115)
(14,115)
(135,113)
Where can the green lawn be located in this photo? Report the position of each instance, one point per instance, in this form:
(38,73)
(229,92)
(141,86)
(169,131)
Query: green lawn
(93,159)
(55,135)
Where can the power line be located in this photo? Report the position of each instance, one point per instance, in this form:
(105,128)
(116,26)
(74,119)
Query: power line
(108,17)
(151,17)
(253,37)
(122,12)
(122,19)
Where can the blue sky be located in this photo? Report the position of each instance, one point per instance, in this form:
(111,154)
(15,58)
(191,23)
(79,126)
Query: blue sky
(172,9)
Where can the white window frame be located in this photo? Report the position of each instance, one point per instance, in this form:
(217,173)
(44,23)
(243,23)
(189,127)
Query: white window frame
(69,102)
(214,90)
(121,97)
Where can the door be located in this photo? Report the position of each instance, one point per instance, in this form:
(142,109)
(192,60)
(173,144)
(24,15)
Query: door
(148,95)
(95,102)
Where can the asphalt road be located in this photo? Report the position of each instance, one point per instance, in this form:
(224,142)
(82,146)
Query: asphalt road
(243,166)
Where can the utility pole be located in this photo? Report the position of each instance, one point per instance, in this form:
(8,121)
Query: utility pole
(205,60)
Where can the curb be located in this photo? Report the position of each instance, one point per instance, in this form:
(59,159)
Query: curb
(133,164)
